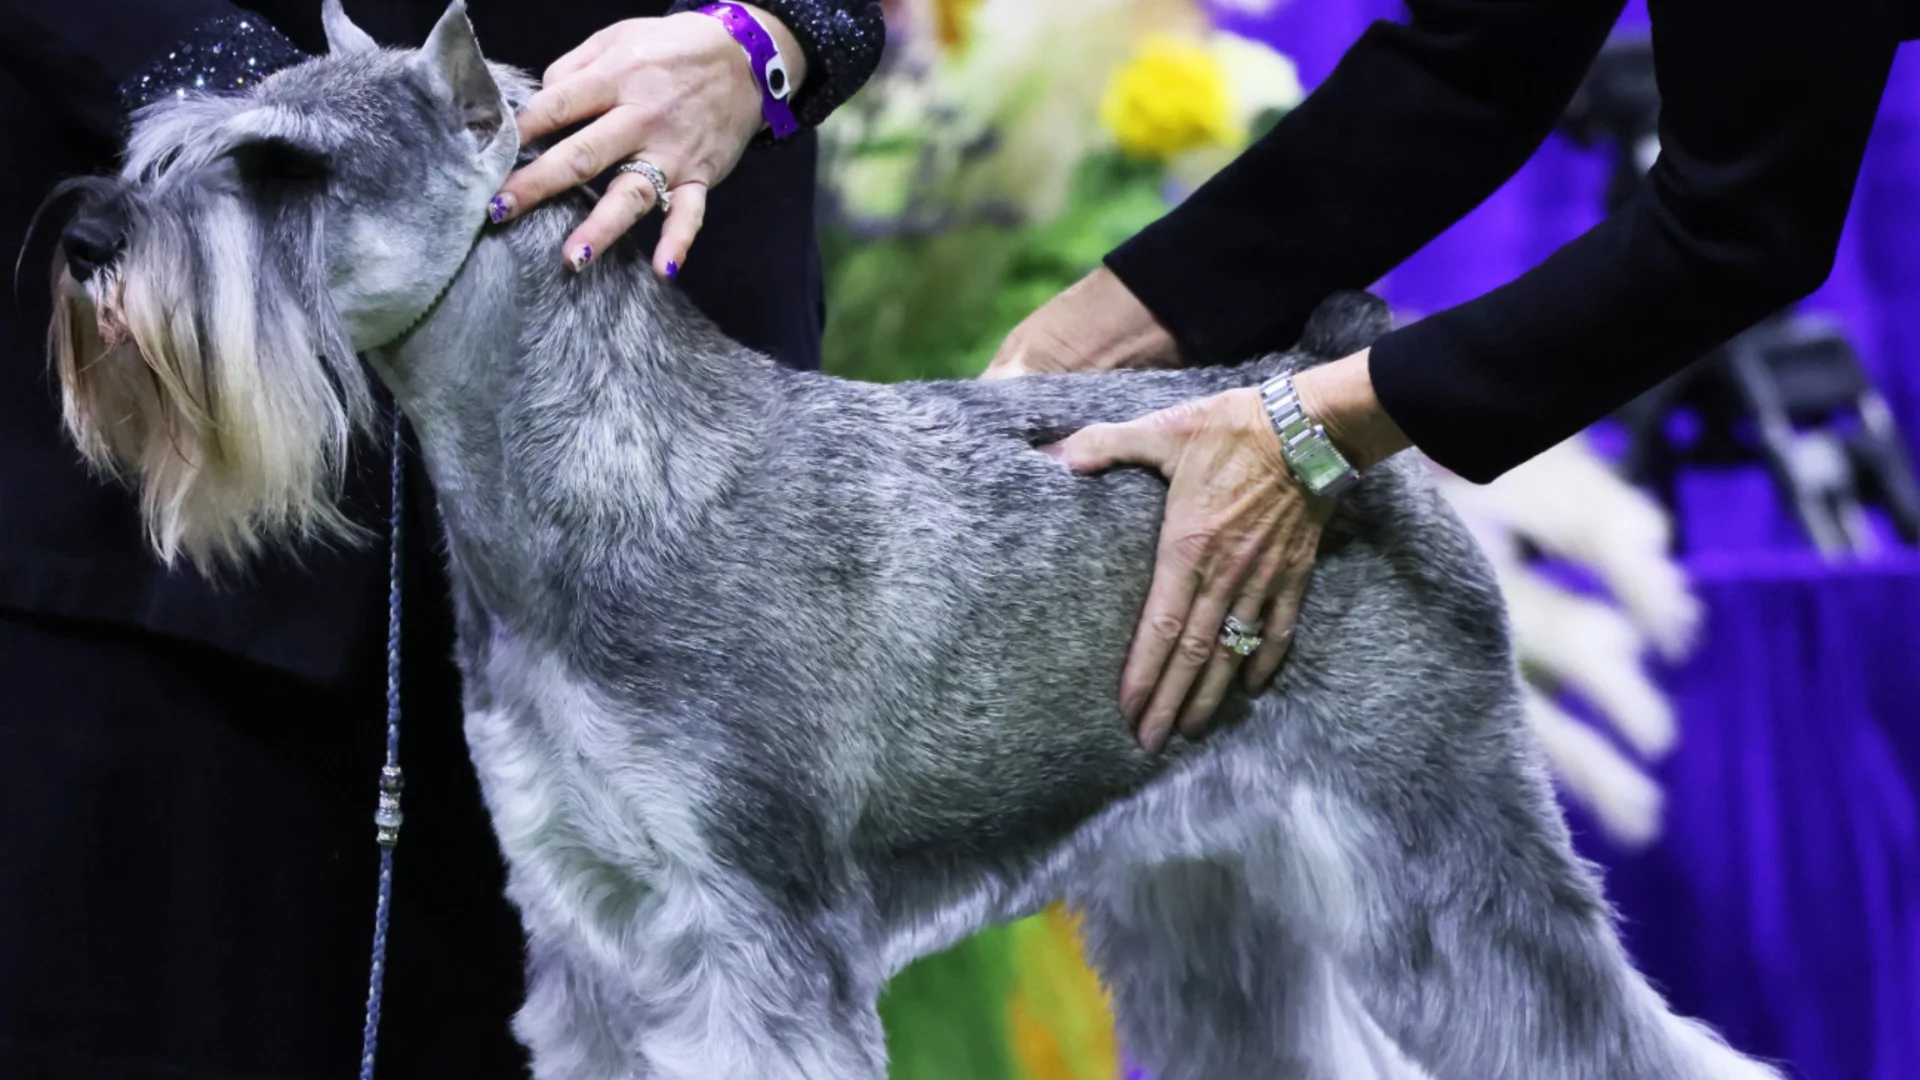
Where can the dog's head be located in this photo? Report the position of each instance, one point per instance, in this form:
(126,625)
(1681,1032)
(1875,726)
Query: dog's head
(211,298)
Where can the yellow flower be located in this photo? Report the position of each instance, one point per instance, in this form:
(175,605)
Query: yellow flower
(1170,98)
(950,20)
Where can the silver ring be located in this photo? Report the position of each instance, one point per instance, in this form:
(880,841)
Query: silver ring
(651,173)
(1240,638)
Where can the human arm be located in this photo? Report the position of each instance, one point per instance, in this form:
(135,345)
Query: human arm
(1767,106)
(678,93)
(1417,124)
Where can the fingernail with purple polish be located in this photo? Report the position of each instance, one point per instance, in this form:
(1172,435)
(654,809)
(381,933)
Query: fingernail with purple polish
(500,209)
(582,255)
(673,270)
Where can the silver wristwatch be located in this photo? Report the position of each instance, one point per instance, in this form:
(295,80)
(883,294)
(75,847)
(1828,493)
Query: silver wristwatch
(1310,455)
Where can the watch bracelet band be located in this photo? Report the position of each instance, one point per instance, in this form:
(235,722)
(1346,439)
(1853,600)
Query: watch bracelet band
(1311,457)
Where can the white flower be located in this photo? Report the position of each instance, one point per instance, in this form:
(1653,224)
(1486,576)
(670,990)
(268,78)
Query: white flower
(1259,77)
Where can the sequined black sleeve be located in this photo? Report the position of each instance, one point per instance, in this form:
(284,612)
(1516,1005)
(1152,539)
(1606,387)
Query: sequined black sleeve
(842,39)
(226,53)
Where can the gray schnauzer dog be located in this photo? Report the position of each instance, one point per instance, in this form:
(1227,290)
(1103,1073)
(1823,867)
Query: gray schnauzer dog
(776,681)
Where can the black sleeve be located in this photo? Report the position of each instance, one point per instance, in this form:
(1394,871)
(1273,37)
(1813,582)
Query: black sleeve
(843,40)
(1766,110)
(1416,126)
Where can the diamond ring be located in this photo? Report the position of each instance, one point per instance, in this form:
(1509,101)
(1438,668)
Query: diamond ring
(651,173)
(1241,638)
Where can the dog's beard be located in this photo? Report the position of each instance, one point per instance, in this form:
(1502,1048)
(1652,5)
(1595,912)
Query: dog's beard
(206,369)
(103,292)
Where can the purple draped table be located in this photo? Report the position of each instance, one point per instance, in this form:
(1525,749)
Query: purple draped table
(1782,904)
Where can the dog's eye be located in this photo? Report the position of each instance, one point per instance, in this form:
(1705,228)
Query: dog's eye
(278,159)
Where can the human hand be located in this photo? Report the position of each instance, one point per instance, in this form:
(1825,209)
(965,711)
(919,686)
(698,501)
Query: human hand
(1097,324)
(676,92)
(1239,538)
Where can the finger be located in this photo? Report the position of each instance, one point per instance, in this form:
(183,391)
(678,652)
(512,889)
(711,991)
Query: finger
(1006,359)
(567,101)
(1281,612)
(1153,440)
(578,58)
(1193,649)
(1212,685)
(576,160)
(683,223)
(1010,360)
(628,199)
(1170,596)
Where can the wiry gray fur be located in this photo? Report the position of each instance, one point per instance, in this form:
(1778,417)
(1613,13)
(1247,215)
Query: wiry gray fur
(776,682)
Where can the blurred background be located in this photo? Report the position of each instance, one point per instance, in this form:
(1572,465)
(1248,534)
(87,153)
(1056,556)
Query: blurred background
(1716,593)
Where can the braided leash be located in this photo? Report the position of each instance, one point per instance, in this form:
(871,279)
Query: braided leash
(388,817)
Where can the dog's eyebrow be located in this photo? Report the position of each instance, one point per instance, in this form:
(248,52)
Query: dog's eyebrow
(169,133)
(277,123)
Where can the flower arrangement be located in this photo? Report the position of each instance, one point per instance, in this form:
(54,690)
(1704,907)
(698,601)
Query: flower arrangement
(975,180)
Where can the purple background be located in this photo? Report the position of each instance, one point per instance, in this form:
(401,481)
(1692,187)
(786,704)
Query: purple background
(1783,905)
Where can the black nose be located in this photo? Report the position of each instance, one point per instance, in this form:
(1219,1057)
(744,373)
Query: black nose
(92,240)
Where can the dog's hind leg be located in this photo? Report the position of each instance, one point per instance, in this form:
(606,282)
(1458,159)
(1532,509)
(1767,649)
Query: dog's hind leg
(1210,984)
(1481,942)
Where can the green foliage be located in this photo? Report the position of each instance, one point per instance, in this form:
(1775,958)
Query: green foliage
(946,1015)
(937,305)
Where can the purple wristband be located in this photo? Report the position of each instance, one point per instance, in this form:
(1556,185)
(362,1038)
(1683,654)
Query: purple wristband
(763,58)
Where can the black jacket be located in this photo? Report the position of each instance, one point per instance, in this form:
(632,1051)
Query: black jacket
(70,544)
(1767,108)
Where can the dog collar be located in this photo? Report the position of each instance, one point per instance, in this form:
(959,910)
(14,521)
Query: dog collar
(764,60)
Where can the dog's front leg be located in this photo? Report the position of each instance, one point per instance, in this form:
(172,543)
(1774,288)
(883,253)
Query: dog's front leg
(576,1026)
(738,999)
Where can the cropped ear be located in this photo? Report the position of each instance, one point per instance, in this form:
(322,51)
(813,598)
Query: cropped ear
(1345,323)
(453,62)
(343,38)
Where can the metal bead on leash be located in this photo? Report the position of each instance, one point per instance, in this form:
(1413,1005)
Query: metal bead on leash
(387,817)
